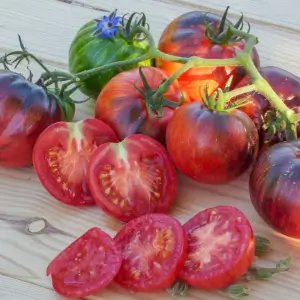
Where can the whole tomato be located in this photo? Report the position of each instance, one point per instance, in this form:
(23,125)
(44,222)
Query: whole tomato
(211,146)
(257,107)
(187,36)
(127,106)
(26,109)
(274,187)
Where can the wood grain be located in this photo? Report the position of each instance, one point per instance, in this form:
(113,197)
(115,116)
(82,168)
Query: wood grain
(34,227)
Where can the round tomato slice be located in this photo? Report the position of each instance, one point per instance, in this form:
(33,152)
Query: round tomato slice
(154,249)
(221,248)
(61,155)
(132,178)
(86,266)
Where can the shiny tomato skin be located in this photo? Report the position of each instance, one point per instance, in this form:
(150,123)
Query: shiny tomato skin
(25,111)
(274,187)
(86,266)
(123,108)
(185,37)
(132,178)
(154,250)
(61,155)
(221,248)
(285,84)
(211,147)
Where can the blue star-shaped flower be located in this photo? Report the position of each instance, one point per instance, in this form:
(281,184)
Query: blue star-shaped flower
(107,26)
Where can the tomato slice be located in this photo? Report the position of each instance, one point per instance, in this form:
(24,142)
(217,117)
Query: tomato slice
(154,249)
(221,248)
(86,266)
(132,178)
(61,155)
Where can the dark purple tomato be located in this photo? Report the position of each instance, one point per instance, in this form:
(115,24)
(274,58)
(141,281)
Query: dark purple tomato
(274,186)
(25,111)
(210,146)
(286,85)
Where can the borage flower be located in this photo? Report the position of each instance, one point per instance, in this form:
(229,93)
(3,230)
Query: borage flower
(107,27)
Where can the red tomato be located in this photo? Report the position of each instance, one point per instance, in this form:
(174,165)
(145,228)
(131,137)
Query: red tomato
(274,187)
(286,85)
(186,36)
(210,146)
(132,178)
(154,249)
(127,111)
(221,248)
(61,155)
(86,266)
(25,111)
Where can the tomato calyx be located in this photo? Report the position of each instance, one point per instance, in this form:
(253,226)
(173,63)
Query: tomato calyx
(155,100)
(223,33)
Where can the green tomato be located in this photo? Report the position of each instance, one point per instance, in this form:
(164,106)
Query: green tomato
(88,52)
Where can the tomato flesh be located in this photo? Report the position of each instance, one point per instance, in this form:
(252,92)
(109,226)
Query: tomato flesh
(61,155)
(86,266)
(132,178)
(221,248)
(154,249)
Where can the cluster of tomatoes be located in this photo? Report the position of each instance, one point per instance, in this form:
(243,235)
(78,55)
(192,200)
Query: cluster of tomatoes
(124,159)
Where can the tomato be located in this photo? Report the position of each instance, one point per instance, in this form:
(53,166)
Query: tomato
(89,50)
(274,187)
(127,111)
(61,155)
(286,85)
(154,249)
(26,109)
(221,248)
(132,178)
(86,266)
(211,146)
(186,36)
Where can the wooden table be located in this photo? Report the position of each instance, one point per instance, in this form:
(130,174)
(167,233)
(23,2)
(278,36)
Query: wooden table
(34,227)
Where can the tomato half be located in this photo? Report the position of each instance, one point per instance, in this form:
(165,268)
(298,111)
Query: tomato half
(154,249)
(210,146)
(186,36)
(274,187)
(221,248)
(127,111)
(86,266)
(286,85)
(132,178)
(61,155)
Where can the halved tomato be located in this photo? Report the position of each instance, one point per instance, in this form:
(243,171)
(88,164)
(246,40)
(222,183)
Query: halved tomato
(86,266)
(221,248)
(61,155)
(154,249)
(132,178)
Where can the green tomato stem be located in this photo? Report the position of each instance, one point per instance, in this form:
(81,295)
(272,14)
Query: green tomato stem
(239,91)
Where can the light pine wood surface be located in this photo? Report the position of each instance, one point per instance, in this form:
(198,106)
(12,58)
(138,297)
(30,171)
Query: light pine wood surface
(34,227)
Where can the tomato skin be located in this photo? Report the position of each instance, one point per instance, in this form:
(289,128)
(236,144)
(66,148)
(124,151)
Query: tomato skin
(132,178)
(25,111)
(274,187)
(185,36)
(61,155)
(286,85)
(207,230)
(82,56)
(200,143)
(122,107)
(86,266)
(153,241)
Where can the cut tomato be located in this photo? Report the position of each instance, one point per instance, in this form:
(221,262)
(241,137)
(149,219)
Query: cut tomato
(154,249)
(132,178)
(61,155)
(221,248)
(86,266)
